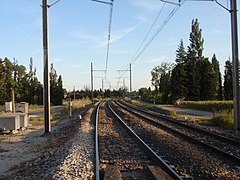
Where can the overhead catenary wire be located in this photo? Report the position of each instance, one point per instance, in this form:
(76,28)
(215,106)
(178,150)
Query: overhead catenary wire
(109,37)
(54,3)
(150,29)
(171,14)
(167,19)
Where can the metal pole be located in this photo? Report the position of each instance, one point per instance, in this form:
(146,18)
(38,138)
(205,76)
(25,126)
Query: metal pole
(74,96)
(13,101)
(46,89)
(130,79)
(102,84)
(92,82)
(235,64)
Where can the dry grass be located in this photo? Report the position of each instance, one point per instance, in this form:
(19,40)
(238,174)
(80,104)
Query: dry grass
(80,103)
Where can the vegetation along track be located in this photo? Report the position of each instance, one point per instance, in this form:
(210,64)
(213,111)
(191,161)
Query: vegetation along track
(224,146)
(119,148)
(186,157)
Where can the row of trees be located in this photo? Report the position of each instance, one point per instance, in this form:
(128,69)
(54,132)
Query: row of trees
(192,77)
(25,85)
(87,93)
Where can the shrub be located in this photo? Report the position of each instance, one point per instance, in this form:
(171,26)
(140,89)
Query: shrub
(224,118)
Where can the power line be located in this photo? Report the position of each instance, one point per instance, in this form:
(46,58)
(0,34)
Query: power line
(171,14)
(54,3)
(109,34)
(140,52)
(154,22)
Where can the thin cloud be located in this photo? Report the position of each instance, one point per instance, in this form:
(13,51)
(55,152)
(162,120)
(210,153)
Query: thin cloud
(214,32)
(152,60)
(118,35)
(83,36)
(58,60)
(150,5)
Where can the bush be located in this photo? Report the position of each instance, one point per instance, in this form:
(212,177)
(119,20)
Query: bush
(208,105)
(224,118)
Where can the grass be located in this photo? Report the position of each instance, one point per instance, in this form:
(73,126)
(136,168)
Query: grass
(223,113)
(80,103)
(35,106)
(152,108)
(224,119)
(56,118)
(210,106)
(1,108)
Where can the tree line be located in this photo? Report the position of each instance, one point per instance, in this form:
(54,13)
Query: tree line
(25,84)
(192,76)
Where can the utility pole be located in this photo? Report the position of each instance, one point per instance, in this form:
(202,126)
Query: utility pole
(46,89)
(13,101)
(130,70)
(102,84)
(235,60)
(92,82)
(74,95)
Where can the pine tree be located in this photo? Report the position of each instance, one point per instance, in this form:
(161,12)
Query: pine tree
(53,85)
(60,92)
(228,84)
(180,53)
(217,79)
(2,82)
(193,61)
(207,80)
(178,77)
(9,79)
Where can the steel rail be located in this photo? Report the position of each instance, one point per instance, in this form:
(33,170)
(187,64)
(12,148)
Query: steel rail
(172,120)
(189,138)
(97,177)
(150,152)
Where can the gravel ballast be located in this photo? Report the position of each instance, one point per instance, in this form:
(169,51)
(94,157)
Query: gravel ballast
(67,154)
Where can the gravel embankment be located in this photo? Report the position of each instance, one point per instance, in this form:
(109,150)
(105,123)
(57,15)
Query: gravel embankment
(68,155)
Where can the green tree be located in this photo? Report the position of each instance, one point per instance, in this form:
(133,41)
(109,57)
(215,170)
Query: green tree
(53,85)
(193,61)
(59,91)
(3,92)
(9,79)
(56,87)
(178,78)
(228,84)
(217,85)
(161,80)
(207,80)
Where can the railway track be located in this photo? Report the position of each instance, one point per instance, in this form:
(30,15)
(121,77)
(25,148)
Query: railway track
(215,155)
(119,148)
(224,146)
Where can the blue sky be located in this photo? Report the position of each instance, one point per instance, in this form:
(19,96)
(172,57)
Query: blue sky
(78,32)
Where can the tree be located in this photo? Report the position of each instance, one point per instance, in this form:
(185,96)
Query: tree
(178,78)
(56,87)
(161,80)
(145,94)
(2,82)
(60,91)
(217,85)
(8,79)
(228,84)
(207,80)
(193,61)
(53,85)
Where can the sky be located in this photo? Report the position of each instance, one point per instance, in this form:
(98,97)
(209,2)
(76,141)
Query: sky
(78,33)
